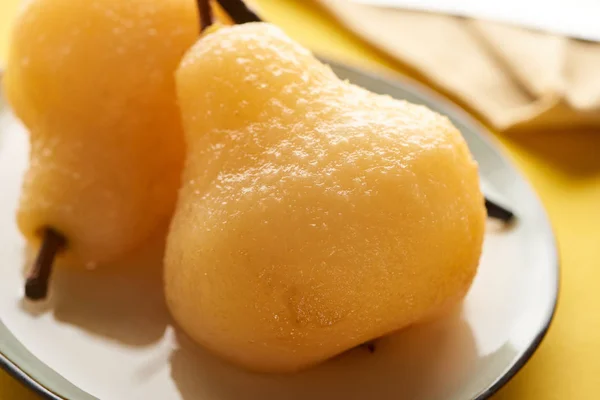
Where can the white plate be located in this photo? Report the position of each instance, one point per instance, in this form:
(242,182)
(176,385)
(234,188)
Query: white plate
(107,335)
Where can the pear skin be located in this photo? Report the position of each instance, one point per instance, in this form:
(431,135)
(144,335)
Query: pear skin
(93,82)
(314,215)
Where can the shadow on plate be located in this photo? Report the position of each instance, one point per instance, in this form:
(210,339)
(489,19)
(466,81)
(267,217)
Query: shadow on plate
(122,302)
(423,362)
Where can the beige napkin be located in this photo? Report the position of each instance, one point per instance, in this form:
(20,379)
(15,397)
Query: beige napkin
(511,76)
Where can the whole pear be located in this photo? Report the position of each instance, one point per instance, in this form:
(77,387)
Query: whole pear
(314,215)
(93,83)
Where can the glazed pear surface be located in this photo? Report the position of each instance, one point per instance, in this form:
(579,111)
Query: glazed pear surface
(93,82)
(314,215)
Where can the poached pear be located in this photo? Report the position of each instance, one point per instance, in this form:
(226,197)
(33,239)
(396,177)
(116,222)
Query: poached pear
(313,215)
(93,82)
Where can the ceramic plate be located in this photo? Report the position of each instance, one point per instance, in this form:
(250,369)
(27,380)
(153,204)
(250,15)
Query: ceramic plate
(105,334)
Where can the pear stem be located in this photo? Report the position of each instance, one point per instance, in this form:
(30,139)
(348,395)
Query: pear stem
(36,285)
(369,346)
(206,15)
(498,212)
(239,12)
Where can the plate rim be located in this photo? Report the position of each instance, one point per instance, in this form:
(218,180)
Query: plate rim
(27,381)
(453,111)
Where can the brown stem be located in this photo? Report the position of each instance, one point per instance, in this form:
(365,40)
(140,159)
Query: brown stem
(239,11)
(206,15)
(370,346)
(497,211)
(36,285)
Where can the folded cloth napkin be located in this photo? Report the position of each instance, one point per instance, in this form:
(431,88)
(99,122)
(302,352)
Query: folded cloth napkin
(511,76)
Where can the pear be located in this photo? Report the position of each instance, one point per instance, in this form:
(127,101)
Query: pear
(93,82)
(314,215)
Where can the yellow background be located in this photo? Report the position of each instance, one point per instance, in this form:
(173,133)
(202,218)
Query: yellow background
(564,168)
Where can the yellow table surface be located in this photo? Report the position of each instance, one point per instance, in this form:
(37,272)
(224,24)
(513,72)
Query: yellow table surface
(564,168)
